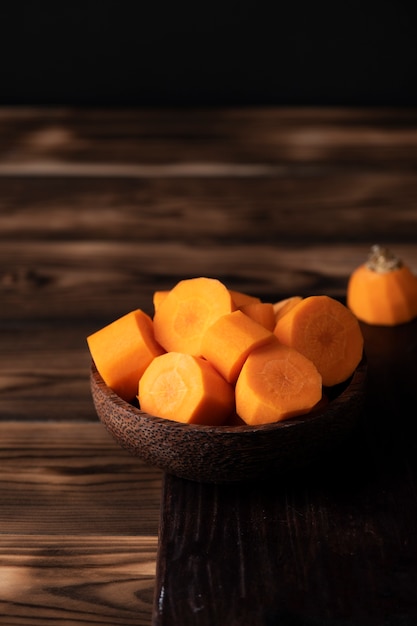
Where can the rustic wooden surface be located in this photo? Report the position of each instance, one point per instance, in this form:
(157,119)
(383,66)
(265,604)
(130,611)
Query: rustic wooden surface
(97,210)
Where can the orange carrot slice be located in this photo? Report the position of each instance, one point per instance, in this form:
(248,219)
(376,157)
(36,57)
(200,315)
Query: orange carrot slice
(276,383)
(283,306)
(229,340)
(261,312)
(158,297)
(122,351)
(190,307)
(240,298)
(326,332)
(185,388)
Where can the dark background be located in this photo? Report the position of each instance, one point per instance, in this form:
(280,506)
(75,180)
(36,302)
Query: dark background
(218,53)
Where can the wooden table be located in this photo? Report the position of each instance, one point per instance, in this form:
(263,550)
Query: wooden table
(98,209)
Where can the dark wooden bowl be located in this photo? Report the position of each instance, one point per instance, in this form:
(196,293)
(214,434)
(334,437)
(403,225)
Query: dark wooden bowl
(224,454)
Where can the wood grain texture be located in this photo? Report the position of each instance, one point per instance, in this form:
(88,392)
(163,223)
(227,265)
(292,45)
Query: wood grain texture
(57,478)
(83,580)
(79,527)
(328,548)
(46,138)
(292,208)
(44,370)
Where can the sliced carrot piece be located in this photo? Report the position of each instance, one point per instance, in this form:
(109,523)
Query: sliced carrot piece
(229,340)
(276,382)
(190,307)
(326,332)
(261,312)
(185,388)
(240,298)
(283,306)
(158,297)
(122,351)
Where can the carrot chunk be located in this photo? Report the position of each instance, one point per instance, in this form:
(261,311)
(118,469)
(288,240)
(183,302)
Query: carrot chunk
(229,340)
(185,388)
(276,383)
(122,351)
(261,312)
(327,333)
(281,307)
(240,298)
(189,308)
(158,297)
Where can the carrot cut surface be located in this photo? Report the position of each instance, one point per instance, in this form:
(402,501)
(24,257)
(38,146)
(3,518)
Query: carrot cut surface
(122,351)
(276,383)
(189,308)
(326,332)
(228,341)
(281,307)
(261,312)
(185,388)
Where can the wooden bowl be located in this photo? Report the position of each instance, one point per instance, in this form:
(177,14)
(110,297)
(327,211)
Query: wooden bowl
(224,454)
